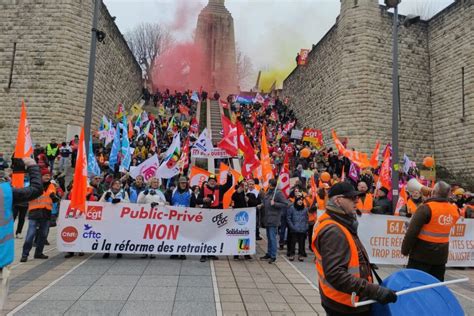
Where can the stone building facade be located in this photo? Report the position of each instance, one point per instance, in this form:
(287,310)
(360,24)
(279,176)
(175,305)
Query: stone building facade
(51,59)
(215,36)
(347,83)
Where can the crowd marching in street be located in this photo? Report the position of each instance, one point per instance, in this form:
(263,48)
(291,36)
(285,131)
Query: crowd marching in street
(287,179)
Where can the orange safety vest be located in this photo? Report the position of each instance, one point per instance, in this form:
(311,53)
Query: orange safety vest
(366,206)
(411,206)
(353,266)
(443,216)
(44,201)
(321,202)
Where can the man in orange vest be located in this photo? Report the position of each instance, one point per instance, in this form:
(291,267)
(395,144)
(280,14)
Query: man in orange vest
(342,262)
(413,202)
(426,241)
(39,214)
(365,204)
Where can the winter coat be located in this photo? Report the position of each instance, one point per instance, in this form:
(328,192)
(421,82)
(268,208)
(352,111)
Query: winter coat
(122,195)
(151,196)
(382,206)
(272,213)
(297,219)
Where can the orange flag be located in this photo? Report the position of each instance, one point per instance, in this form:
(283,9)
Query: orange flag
(223,171)
(79,188)
(198,176)
(374,159)
(402,200)
(358,158)
(23,146)
(267,172)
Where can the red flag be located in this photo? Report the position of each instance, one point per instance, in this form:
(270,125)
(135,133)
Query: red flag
(229,141)
(385,170)
(314,188)
(402,200)
(79,188)
(184,160)
(267,172)
(245,145)
(194,126)
(285,178)
(274,116)
(23,147)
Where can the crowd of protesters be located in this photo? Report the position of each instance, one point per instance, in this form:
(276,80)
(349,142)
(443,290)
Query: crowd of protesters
(290,218)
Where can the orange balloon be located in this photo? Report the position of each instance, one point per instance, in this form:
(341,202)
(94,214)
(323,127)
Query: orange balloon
(428,162)
(325,177)
(305,153)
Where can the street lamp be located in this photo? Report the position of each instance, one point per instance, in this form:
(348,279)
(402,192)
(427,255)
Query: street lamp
(409,20)
(96,36)
(395,101)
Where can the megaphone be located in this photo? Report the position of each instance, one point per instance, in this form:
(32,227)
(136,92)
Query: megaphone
(414,185)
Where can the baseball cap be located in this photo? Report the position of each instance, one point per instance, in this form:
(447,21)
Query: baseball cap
(212,176)
(345,189)
(183,179)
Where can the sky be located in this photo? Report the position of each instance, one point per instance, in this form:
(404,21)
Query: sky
(270,32)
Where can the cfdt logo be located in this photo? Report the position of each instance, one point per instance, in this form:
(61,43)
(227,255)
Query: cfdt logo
(94,212)
(69,234)
(243,244)
(242,218)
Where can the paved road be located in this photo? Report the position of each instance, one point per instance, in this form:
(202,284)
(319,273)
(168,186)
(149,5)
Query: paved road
(90,285)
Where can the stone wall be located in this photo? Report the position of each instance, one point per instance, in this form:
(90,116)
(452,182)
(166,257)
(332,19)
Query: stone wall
(451,46)
(347,83)
(51,67)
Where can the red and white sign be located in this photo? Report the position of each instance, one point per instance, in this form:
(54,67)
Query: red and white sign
(166,230)
(216,153)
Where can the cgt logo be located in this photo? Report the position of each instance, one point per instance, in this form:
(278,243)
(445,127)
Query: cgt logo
(242,218)
(94,212)
(243,244)
(69,234)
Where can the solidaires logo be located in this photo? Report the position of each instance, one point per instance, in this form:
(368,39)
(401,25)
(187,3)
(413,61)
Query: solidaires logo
(242,218)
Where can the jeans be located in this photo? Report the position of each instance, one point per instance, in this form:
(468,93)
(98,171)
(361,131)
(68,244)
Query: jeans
(62,163)
(30,236)
(271,241)
(51,165)
(283,230)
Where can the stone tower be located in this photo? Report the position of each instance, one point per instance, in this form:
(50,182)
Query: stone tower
(215,35)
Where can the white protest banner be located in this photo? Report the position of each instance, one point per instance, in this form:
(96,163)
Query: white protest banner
(167,230)
(382,237)
(216,153)
(147,169)
(296,134)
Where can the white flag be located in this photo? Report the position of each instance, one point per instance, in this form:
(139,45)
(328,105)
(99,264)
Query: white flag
(406,163)
(169,167)
(204,143)
(147,169)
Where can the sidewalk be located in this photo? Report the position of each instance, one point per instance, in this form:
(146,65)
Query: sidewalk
(90,285)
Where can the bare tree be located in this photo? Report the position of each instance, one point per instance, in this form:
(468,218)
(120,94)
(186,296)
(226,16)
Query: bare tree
(148,41)
(244,68)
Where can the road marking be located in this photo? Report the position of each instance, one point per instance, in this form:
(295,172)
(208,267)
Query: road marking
(216,289)
(301,274)
(19,307)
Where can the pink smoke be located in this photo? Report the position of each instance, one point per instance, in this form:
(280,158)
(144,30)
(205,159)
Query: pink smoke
(180,68)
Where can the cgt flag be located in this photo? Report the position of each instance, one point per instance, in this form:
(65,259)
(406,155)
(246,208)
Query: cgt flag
(198,176)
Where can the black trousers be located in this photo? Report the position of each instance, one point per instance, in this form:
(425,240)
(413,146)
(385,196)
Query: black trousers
(331,312)
(20,212)
(294,238)
(310,235)
(435,270)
